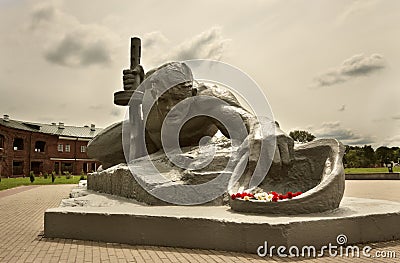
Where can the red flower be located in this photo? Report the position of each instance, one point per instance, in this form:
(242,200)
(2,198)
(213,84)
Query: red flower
(275,198)
(289,195)
(280,197)
(238,195)
(274,193)
(233,196)
(298,193)
(243,195)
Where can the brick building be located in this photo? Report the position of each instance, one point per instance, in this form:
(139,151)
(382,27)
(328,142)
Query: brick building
(37,147)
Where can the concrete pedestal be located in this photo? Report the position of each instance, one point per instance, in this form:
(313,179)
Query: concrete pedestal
(107,218)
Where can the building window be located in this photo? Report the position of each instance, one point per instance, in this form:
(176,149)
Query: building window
(1,141)
(83,148)
(85,167)
(18,144)
(93,167)
(40,146)
(67,148)
(66,167)
(60,147)
(57,167)
(18,168)
(37,167)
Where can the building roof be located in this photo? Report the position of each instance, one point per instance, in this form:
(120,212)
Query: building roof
(53,129)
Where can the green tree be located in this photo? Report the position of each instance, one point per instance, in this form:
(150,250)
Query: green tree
(385,154)
(396,154)
(301,136)
(353,157)
(356,156)
(369,158)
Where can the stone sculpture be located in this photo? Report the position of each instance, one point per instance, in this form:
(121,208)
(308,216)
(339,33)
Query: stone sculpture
(314,169)
(300,179)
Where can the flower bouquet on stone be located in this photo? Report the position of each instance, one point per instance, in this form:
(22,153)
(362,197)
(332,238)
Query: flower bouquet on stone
(264,196)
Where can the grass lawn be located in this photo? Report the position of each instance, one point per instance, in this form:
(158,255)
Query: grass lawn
(370,170)
(7,183)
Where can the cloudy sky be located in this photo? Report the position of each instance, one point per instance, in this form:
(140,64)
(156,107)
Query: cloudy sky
(329,67)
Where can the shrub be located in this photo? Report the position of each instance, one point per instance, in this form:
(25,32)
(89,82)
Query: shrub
(67,175)
(82,177)
(45,175)
(31,176)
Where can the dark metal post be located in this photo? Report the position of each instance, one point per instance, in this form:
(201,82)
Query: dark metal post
(122,98)
(135,51)
(137,148)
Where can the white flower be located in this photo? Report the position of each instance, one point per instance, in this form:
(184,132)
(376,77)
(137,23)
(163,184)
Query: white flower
(263,194)
(269,197)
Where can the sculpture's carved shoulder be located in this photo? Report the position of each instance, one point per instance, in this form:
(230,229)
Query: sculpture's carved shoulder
(218,92)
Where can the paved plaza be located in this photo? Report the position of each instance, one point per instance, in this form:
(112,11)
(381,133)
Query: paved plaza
(21,227)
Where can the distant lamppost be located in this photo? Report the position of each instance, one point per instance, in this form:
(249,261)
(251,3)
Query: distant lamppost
(389,165)
(1,161)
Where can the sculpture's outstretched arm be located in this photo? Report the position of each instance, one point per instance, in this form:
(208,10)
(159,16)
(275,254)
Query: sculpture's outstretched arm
(284,151)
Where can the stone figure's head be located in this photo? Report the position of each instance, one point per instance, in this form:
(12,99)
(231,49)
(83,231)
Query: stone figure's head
(171,83)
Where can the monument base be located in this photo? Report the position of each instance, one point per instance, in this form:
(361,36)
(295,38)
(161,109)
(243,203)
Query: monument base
(102,217)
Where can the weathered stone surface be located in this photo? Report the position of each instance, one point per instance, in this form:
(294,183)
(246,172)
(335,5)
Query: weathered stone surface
(317,171)
(108,218)
(118,179)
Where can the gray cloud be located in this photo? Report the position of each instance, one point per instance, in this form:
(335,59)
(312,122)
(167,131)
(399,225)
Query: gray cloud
(356,66)
(392,141)
(76,49)
(154,39)
(209,44)
(41,15)
(345,135)
(69,42)
(396,117)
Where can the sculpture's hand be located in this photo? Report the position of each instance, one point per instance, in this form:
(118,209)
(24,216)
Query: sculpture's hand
(284,152)
(132,77)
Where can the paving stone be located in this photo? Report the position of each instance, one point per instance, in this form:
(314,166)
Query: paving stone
(21,223)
